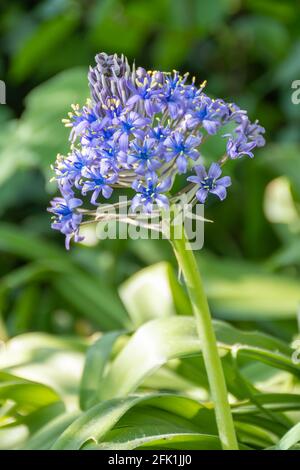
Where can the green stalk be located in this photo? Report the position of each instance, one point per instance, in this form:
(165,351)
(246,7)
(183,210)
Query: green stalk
(187,263)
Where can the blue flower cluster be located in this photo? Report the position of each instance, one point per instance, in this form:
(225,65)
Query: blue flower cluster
(138,130)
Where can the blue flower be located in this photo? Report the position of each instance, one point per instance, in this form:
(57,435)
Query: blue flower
(98,181)
(208,113)
(145,125)
(245,137)
(192,92)
(110,153)
(238,146)
(143,155)
(210,182)
(69,169)
(159,133)
(112,108)
(146,90)
(66,218)
(130,124)
(180,147)
(149,193)
(172,95)
(98,135)
(251,131)
(81,120)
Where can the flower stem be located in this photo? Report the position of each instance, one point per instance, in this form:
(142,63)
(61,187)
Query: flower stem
(187,263)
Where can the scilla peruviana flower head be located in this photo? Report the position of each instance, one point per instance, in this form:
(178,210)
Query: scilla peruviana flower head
(140,129)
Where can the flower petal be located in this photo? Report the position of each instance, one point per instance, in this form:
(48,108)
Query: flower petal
(225,181)
(132,100)
(200,171)
(181,164)
(194,179)
(136,202)
(162,201)
(214,171)
(74,202)
(219,191)
(201,195)
(164,185)
(107,191)
(95,196)
(123,142)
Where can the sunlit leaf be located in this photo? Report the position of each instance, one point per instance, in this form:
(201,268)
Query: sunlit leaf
(153,292)
(163,339)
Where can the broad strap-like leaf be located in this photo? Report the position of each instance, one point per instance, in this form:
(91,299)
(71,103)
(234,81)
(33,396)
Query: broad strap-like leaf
(163,339)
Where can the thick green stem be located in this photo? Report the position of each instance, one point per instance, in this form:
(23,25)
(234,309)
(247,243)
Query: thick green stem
(187,264)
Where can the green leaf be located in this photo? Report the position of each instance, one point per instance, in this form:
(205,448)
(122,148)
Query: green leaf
(254,435)
(93,298)
(96,359)
(229,285)
(49,35)
(21,276)
(153,292)
(117,33)
(289,69)
(26,245)
(209,15)
(158,441)
(46,106)
(94,423)
(26,393)
(163,339)
(242,291)
(46,436)
(154,413)
(290,439)
(283,159)
(20,427)
(11,143)
(186,441)
(23,311)
(42,416)
(50,360)
(163,51)
(271,401)
(30,139)
(268,37)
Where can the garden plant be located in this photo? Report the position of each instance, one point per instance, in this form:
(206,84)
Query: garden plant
(117,330)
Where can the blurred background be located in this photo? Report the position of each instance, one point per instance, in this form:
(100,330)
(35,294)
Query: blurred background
(249,51)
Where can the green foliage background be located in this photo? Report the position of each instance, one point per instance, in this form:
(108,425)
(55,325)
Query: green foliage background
(51,302)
